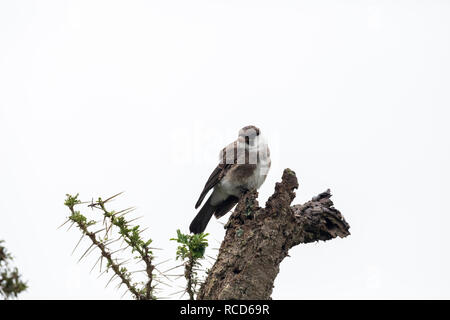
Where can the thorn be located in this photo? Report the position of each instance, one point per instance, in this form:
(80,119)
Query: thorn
(182,294)
(159,281)
(128,222)
(143,230)
(94,205)
(162,262)
(124,293)
(93,248)
(63,224)
(125,211)
(118,194)
(144,270)
(121,249)
(99,258)
(174,267)
(107,243)
(163,274)
(172,294)
(103,272)
(114,275)
(124,262)
(73,222)
(99,231)
(108,229)
(86,252)
(82,236)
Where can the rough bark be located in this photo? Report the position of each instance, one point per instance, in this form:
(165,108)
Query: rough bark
(258,239)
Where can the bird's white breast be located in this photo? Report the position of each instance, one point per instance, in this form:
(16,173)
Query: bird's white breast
(263,165)
(261,153)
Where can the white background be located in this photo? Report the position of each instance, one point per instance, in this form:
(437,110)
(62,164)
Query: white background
(99,97)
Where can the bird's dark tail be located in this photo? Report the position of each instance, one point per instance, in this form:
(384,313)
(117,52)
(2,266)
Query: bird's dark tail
(202,218)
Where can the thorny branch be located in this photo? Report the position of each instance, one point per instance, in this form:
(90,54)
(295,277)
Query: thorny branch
(131,235)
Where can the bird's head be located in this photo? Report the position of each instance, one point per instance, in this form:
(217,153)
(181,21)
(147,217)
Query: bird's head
(249,134)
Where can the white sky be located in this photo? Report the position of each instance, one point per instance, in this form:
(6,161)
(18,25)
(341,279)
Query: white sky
(99,97)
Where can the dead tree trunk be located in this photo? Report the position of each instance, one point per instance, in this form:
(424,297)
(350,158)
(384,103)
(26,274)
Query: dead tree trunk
(258,239)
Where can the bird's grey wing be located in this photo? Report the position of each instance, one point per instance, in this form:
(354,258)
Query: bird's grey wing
(213,179)
(220,171)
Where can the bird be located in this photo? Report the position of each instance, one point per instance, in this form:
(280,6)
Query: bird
(243,166)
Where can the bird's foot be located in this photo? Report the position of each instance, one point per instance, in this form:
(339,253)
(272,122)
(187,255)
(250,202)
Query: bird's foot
(243,190)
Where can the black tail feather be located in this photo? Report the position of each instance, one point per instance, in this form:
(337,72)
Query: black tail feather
(198,225)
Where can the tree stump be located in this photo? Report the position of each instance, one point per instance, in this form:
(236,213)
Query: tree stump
(258,239)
